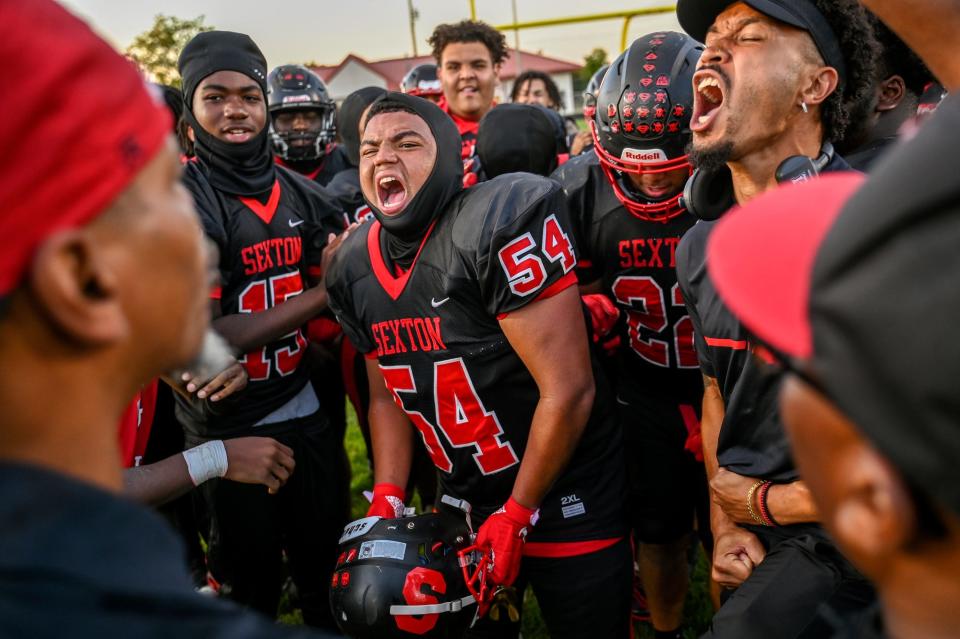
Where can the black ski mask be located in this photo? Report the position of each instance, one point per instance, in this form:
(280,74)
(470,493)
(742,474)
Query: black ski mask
(406,229)
(244,168)
(348,119)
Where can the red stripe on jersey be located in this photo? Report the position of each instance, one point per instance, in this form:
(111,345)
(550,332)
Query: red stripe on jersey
(267,211)
(736,345)
(565,282)
(216,293)
(392,285)
(315,272)
(557,549)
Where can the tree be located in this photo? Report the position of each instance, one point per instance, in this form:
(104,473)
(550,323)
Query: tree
(156,51)
(591,63)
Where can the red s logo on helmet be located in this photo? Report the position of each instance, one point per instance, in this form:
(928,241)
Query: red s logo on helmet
(414,595)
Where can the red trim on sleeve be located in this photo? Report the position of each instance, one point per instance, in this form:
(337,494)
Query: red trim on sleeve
(216,293)
(565,282)
(719,342)
(371,355)
(557,549)
(315,272)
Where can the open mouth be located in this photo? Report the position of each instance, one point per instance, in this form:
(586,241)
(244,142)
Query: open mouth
(237,134)
(392,194)
(707,101)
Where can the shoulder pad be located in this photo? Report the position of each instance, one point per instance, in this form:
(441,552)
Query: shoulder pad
(492,206)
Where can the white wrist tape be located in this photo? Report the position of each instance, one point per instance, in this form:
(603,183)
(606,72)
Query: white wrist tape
(206,461)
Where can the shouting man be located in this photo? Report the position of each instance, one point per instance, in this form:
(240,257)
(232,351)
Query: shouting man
(466,305)
(775,85)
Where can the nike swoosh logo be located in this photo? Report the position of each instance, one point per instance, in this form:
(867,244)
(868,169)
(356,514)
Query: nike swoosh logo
(294,224)
(434,303)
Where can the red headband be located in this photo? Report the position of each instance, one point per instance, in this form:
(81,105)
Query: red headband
(82,125)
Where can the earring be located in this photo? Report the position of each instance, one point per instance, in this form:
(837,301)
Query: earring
(803,105)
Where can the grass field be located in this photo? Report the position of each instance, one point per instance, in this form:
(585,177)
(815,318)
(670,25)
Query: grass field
(697,611)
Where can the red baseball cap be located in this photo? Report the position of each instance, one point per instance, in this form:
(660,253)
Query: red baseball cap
(79,128)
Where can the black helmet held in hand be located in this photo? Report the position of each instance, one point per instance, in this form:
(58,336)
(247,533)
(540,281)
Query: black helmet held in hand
(404,578)
(642,120)
(302,115)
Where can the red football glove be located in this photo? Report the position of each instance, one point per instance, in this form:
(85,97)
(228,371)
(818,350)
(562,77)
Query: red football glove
(504,533)
(603,319)
(387,501)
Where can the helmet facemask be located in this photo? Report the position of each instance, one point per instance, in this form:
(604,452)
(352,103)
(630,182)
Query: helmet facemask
(305,145)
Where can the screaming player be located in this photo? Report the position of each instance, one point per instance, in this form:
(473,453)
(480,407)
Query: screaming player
(466,305)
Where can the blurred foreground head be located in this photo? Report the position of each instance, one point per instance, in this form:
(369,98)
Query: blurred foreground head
(103,281)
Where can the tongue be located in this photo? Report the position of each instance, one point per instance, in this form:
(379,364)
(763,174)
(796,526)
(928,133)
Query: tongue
(393,195)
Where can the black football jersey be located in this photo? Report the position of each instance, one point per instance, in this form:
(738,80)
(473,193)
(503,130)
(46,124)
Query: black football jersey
(635,260)
(267,250)
(435,332)
(345,186)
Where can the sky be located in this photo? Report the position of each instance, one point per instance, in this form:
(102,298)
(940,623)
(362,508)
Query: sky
(324,31)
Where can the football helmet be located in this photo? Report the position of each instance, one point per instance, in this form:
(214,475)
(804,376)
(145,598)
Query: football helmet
(422,80)
(590,93)
(293,89)
(406,577)
(642,121)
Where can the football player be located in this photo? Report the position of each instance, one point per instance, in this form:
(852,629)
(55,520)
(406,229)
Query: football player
(270,225)
(627,220)
(469,55)
(422,81)
(465,303)
(901,80)
(303,123)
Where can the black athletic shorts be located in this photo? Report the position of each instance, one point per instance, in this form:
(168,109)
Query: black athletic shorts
(667,486)
(583,596)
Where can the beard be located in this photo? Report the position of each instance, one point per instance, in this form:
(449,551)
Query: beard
(710,158)
(214,357)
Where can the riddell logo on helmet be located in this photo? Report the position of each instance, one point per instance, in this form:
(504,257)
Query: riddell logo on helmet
(650,155)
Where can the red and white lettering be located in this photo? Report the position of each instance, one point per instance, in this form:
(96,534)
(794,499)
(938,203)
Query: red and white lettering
(460,416)
(556,244)
(648,311)
(399,379)
(525,272)
(259,296)
(414,595)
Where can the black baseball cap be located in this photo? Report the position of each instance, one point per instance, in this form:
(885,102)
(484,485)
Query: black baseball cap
(697,16)
(856,281)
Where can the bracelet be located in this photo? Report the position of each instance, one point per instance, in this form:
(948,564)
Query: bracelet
(764,507)
(206,461)
(753,513)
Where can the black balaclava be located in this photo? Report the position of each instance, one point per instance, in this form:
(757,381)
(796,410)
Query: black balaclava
(405,230)
(244,168)
(517,137)
(348,119)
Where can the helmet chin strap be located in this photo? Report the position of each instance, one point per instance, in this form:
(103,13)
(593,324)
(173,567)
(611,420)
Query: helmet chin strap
(429,609)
